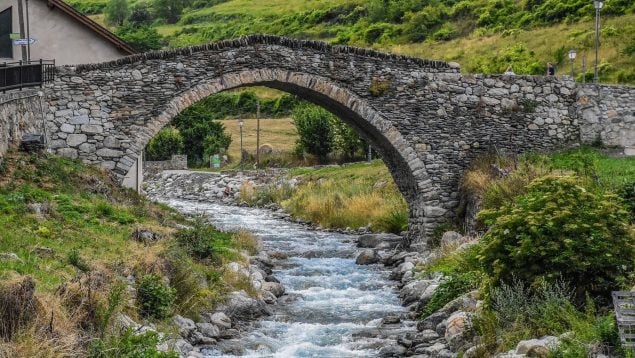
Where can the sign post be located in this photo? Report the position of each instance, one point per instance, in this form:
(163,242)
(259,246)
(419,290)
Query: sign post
(23,42)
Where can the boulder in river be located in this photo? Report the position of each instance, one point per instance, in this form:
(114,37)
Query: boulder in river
(239,306)
(392,351)
(273,287)
(367,257)
(221,320)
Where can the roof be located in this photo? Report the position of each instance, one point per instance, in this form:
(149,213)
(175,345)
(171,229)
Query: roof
(92,25)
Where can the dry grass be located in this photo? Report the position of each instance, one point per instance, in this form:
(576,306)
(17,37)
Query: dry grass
(246,241)
(279,133)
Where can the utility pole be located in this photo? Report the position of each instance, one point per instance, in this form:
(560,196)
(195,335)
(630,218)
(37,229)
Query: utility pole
(258,134)
(28,32)
(370,153)
(21,24)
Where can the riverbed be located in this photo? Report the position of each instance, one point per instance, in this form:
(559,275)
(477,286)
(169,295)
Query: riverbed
(332,307)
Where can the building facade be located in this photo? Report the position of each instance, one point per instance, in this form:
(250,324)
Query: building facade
(59,32)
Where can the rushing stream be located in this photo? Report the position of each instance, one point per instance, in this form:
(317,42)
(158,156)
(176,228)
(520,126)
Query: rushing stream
(340,304)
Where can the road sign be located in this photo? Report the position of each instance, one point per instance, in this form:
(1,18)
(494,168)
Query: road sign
(23,42)
(14,36)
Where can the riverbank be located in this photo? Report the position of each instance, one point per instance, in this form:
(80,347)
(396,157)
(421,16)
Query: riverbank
(90,269)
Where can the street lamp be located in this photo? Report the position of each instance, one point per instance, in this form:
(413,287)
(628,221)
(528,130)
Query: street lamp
(240,124)
(598,6)
(572,58)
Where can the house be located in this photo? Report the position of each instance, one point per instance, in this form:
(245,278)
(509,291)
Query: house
(61,33)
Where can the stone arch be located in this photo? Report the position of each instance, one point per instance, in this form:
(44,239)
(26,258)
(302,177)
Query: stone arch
(406,168)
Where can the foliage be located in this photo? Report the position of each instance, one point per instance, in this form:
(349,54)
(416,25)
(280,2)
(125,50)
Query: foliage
(627,192)
(155,298)
(141,37)
(140,15)
(345,140)
(451,288)
(129,344)
(314,128)
(203,241)
(195,134)
(115,301)
(75,259)
(559,231)
(169,10)
(117,11)
(165,144)
(394,221)
(215,144)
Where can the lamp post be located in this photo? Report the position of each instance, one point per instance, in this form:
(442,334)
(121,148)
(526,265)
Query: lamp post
(240,124)
(598,4)
(572,58)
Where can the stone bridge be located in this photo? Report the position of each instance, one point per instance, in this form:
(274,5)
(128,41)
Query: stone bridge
(425,118)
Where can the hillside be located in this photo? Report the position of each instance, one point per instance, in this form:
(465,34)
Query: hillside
(483,36)
(79,254)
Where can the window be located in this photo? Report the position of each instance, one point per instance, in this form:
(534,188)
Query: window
(6,47)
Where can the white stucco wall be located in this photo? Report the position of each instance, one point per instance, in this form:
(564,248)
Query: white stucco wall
(60,37)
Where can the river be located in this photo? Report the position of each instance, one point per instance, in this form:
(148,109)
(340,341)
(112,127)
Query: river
(339,305)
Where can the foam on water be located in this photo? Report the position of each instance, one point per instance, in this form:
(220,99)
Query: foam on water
(340,303)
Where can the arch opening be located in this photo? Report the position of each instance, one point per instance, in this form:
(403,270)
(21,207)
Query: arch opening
(404,165)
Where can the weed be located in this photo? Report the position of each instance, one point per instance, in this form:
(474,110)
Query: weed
(129,344)
(75,259)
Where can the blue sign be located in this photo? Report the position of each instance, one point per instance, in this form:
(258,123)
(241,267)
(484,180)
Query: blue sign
(23,42)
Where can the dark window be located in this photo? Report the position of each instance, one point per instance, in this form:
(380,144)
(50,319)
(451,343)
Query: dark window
(6,48)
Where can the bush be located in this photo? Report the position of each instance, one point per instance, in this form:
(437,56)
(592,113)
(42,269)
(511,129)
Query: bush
(203,241)
(141,37)
(129,345)
(154,297)
(560,231)
(314,128)
(117,11)
(166,143)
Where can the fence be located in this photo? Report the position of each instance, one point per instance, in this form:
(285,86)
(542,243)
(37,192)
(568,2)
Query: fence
(22,74)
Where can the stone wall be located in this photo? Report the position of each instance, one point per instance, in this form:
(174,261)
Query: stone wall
(607,116)
(177,162)
(426,120)
(20,113)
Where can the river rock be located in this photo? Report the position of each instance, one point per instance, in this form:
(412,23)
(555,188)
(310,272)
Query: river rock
(367,241)
(392,351)
(537,347)
(431,322)
(269,298)
(186,325)
(432,350)
(208,329)
(458,329)
(367,257)
(425,336)
(271,278)
(394,319)
(239,306)
(221,320)
(273,287)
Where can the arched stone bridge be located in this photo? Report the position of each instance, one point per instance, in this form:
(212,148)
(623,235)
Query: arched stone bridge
(425,119)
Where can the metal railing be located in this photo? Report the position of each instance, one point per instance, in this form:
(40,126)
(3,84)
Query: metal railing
(22,74)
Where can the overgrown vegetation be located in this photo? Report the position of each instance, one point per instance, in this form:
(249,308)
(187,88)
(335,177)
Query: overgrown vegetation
(69,247)
(558,238)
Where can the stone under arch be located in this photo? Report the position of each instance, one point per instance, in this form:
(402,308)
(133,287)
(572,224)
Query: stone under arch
(405,166)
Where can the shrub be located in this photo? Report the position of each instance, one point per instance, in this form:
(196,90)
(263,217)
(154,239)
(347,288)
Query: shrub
(141,37)
(117,11)
(17,306)
(154,297)
(627,192)
(203,241)
(166,143)
(559,230)
(129,345)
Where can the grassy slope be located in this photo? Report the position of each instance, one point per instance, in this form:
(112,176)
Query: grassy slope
(88,213)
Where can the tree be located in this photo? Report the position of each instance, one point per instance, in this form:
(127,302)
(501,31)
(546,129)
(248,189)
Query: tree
(117,11)
(170,10)
(345,139)
(166,143)
(140,15)
(142,38)
(198,134)
(314,128)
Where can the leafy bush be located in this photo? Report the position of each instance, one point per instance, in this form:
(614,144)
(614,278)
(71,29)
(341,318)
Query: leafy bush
(314,128)
(154,297)
(166,143)
(560,231)
(627,192)
(117,11)
(129,345)
(195,134)
(203,241)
